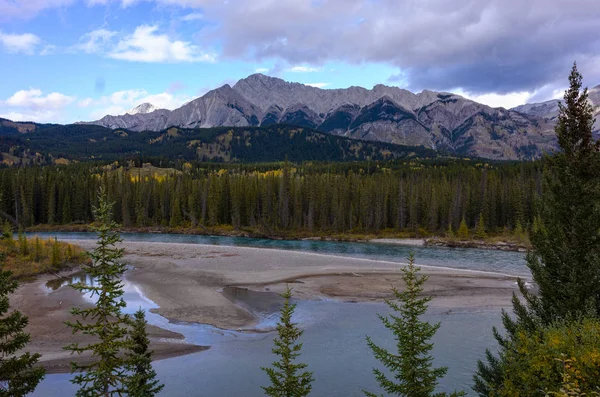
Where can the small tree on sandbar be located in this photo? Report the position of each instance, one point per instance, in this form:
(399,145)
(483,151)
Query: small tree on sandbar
(285,376)
(411,366)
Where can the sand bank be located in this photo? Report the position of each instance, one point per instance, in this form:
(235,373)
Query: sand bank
(48,311)
(185,281)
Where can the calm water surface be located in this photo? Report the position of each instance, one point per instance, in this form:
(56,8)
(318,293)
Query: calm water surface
(334,345)
(462,258)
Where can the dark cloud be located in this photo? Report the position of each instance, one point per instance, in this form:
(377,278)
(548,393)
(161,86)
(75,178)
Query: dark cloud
(479,45)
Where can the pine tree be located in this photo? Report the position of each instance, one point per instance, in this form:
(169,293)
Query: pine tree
(106,375)
(55,255)
(176,216)
(23,245)
(7,233)
(37,249)
(449,231)
(519,232)
(19,375)
(411,365)
(141,381)
(480,228)
(286,379)
(52,205)
(463,230)
(66,209)
(565,258)
(69,253)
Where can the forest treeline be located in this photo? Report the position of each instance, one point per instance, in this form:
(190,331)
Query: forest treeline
(416,197)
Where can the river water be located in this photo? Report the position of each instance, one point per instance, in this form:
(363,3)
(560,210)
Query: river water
(334,333)
(461,258)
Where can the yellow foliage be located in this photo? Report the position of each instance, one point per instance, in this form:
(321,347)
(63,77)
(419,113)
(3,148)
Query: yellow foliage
(532,365)
(39,256)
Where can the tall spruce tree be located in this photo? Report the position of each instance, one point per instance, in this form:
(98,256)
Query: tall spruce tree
(19,374)
(141,381)
(412,365)
(106,375)
(565,256)
(285,376)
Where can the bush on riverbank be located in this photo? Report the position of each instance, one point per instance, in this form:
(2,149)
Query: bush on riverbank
(31,256)
(559,357)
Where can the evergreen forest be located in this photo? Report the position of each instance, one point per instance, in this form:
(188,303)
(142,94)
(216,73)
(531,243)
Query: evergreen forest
(421,198)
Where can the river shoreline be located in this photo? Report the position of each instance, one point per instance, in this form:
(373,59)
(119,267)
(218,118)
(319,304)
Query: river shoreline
(186,282)
(499,243)
(48,311)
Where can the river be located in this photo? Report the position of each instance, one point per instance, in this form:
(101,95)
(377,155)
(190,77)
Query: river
(334,339)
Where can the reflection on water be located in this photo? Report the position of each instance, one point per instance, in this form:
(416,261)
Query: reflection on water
(132,294)
(258,302)
(334,348)
(76,278)
(263,304)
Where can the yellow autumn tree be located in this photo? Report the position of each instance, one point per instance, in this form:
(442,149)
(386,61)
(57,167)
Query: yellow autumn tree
(538,362)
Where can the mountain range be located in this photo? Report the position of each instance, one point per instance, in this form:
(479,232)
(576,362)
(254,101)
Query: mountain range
(436,120)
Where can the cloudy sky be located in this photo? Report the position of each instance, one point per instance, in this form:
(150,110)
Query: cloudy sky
(69,60)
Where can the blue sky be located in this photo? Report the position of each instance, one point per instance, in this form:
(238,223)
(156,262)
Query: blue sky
(70,60)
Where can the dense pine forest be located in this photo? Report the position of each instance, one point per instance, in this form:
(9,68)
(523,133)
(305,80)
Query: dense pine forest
(31,143)
(417,197)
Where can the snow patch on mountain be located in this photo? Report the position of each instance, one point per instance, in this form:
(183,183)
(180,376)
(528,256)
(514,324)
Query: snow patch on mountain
(144,108)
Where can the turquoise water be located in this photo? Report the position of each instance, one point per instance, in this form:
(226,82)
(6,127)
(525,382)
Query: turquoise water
(507,262)
(334,348)
(334,339)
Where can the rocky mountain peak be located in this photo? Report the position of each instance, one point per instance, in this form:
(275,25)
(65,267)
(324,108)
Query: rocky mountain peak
(259,81)
(144,108)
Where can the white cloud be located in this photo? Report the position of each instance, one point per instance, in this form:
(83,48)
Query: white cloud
(33,98)
(261,70)
(84,103)
(317,85)
(95,41)
(303,69)
(506,101)
(48,49)
(40,116)
(145,45)
(23,43)
(194,16)
(33,105)
(25,9)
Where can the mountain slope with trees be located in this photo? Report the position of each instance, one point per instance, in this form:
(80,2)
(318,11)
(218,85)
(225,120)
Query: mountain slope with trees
(45,144)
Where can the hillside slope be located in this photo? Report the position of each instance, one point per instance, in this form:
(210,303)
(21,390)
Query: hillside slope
(76,142)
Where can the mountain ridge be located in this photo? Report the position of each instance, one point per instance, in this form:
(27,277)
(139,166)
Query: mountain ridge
(548,110)
(437,120)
